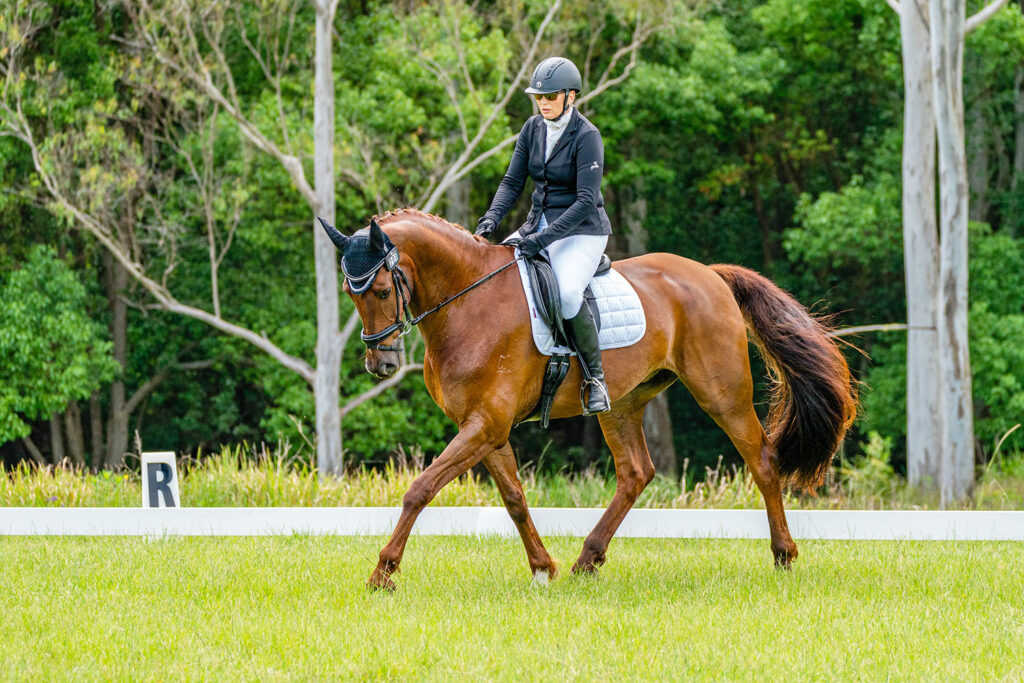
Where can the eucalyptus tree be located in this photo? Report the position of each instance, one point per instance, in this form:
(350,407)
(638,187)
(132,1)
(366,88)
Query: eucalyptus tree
(940,432)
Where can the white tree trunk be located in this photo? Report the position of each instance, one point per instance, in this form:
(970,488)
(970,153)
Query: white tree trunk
(920,250)
(946,19)
(328,353)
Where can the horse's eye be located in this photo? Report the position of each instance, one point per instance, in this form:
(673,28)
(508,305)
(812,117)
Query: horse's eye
(384,294)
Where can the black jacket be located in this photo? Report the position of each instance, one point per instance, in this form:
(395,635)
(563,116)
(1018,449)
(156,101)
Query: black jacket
(567,189)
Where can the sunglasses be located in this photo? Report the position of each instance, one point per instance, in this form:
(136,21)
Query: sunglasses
(549,96)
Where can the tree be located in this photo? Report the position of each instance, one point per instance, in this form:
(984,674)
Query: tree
(940,435)
(51,352)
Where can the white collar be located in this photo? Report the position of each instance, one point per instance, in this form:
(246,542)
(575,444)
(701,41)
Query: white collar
(560,124)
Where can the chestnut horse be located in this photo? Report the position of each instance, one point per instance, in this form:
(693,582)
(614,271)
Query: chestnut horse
(482,368)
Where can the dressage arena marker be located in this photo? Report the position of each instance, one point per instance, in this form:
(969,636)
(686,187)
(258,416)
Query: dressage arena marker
(160,480)
(854,525)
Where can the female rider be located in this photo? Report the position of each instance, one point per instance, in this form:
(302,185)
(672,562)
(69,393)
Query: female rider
(562,151)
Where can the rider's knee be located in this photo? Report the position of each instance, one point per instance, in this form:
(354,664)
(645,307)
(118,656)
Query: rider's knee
(571,301)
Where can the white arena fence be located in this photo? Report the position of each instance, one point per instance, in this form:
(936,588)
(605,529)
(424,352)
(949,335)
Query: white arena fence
(859,525)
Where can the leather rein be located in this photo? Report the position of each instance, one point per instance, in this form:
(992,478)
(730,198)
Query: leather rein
(404,320)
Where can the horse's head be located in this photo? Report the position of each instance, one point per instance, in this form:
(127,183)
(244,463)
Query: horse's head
(380,291)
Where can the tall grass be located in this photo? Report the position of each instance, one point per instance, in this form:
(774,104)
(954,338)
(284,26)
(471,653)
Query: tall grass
(243,476)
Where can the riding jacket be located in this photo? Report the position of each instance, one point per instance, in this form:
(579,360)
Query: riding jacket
(567,187)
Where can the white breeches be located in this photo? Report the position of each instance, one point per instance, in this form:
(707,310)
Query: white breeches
(574,260)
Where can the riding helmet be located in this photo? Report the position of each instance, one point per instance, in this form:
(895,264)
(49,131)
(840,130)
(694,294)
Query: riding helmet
(555,74)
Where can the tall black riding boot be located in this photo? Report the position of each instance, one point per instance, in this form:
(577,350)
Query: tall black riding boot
(584,336)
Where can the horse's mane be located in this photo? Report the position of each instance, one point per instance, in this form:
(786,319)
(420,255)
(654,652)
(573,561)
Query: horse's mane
(423,216)
(429,221)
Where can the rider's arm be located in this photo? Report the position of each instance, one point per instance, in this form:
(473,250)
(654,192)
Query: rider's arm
(589,169)
(512,184)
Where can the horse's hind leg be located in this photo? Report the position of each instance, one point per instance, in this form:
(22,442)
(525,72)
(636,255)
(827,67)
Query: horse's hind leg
(502,466)
(624,432)
(747,434)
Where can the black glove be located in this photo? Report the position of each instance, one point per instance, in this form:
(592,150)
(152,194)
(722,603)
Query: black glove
(484,227)
(530,246)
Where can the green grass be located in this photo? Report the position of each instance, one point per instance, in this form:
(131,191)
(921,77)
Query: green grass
(296,608)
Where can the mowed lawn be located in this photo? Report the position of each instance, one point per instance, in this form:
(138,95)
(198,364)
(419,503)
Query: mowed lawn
(296,608)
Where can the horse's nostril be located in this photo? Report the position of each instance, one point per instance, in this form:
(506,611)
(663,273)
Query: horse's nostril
(388,369)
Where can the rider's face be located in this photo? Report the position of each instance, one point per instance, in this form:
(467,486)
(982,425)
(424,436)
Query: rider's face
(552,109)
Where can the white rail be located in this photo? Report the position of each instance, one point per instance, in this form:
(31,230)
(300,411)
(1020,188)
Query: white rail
(833,525)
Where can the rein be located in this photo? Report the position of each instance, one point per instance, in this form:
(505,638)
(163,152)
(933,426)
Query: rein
(404,322)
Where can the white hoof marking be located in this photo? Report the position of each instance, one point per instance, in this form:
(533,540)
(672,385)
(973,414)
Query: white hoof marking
(540,577)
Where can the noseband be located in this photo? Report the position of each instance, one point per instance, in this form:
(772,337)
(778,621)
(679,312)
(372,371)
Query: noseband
(404,321)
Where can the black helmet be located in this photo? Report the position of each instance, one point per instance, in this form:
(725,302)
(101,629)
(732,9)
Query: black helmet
(555,74)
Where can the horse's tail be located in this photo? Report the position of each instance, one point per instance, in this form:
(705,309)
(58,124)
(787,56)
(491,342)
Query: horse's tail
(813,400)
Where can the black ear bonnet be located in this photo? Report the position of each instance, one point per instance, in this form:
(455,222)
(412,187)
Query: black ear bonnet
(364,254)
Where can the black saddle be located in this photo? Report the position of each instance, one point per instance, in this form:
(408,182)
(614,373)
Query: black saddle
(549,305)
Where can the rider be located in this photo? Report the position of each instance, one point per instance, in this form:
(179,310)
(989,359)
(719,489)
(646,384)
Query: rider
(562,151)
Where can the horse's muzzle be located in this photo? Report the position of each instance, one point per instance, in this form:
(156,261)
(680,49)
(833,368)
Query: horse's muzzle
(381,369)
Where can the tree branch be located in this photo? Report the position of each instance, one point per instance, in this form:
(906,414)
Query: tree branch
(884,327)
(894,5)
(379,388)
(640,34)
(34,451)
(455,166)
(202,78)
(983,15)
(146,389)
(163,296)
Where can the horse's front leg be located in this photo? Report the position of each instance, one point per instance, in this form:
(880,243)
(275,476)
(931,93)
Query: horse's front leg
(477,438)
(502,466)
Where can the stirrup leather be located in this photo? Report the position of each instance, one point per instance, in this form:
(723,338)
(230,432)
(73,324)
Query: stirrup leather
(590,381)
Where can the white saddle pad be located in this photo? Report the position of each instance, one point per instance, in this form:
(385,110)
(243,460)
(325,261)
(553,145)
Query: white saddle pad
(622,315)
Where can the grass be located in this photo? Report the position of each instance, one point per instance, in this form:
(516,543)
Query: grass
(296,608)
(237,478)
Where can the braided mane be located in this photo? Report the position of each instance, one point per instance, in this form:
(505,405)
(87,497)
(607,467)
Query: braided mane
(416,213)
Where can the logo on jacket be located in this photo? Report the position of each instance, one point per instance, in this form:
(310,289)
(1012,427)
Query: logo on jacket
(594,166)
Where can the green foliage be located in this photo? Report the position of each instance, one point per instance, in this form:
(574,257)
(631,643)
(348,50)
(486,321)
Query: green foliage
(759,132)
(996,322)
(50,350)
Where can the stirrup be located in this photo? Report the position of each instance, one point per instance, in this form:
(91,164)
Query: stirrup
(583,395)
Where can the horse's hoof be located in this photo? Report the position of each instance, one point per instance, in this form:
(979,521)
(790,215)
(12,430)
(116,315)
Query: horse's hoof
(784,558)
(588,568)
(381,582)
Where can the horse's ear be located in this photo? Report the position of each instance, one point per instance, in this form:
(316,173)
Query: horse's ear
(378,240)
(339,240)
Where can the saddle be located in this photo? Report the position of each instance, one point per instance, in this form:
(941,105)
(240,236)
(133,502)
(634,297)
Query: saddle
(549,306)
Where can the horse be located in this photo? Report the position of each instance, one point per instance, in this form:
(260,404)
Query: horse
(483,370)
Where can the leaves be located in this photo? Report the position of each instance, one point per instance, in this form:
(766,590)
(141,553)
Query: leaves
(50,350)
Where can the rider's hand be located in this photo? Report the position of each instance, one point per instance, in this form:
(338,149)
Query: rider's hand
(484,227)
(530,246)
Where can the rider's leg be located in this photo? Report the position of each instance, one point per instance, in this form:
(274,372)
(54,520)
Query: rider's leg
(574,260)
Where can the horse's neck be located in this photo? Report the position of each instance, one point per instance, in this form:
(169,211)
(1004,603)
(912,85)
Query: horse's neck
(443,264)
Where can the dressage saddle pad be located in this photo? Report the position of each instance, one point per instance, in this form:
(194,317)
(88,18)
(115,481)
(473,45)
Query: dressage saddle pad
(622,315)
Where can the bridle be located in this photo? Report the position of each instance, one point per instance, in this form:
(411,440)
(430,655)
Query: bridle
(404,320)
